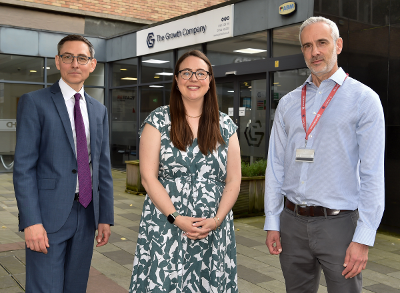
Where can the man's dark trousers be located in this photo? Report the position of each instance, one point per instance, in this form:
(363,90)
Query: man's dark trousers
(312,243)
(65,268)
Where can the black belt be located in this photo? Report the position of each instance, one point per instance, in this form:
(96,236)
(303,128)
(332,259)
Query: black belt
(312,211)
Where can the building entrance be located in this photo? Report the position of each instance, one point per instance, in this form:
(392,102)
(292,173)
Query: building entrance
(245,100)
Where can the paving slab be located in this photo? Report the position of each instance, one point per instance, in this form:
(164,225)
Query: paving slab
(381,288)
(258,271)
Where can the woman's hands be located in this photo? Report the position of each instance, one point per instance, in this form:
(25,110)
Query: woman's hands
(195,228)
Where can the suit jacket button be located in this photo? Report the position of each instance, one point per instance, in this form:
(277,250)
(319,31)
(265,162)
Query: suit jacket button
(74,171)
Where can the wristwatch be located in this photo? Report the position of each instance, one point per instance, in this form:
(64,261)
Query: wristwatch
(171,218)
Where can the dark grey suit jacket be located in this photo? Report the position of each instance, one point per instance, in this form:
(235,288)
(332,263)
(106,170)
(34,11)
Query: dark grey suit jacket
(45,166)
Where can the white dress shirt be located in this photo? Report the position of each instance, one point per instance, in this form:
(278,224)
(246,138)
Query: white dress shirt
(68,94)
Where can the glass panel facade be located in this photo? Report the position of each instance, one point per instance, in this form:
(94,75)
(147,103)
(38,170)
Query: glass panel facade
(238,49)
(225,94)
(97,93)
(96,78)
(167,92)
(53,74)
(284,82)
(182,51)
(158,67)
(252,136)
(21,68)
(9,97)
(285,41)
(151,98)
(124,72)
(123,126)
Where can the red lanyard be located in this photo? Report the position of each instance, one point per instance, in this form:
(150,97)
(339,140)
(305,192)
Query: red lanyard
(319,114)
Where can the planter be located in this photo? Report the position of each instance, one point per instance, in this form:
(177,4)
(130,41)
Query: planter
(133,180)
(250,201)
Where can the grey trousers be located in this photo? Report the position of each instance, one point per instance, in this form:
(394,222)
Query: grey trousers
(310,244)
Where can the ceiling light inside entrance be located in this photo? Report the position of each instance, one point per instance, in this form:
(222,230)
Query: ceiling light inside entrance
(129,78)
(155,61)
(165,73)
(250,51)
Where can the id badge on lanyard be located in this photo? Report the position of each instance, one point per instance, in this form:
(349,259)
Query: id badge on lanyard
(304,154)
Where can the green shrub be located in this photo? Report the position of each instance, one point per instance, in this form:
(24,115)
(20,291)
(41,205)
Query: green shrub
(255,169)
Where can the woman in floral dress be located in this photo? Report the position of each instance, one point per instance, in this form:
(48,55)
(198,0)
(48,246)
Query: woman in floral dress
(190,168)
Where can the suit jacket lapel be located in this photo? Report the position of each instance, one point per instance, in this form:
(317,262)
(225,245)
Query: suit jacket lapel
(92,124)
(59,101)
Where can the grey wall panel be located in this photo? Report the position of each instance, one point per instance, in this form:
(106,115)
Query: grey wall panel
(113,49)
(122,47)
(48,44)
(100,48)
(250,16)
(128,46)
(19,41)
(259,15)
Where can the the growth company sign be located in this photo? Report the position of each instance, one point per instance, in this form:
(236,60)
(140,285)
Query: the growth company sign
(204,27)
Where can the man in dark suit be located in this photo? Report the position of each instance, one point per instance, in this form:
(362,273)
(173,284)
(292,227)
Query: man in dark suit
(62,175)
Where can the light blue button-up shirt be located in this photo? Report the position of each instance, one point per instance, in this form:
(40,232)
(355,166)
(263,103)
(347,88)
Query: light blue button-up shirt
(349,142)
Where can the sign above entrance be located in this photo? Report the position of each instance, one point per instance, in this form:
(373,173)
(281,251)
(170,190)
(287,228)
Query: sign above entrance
(287,8)
(204,27)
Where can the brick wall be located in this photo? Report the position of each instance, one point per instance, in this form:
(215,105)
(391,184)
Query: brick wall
(152,10)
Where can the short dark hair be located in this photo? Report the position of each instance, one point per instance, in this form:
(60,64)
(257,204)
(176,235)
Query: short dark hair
(76,38)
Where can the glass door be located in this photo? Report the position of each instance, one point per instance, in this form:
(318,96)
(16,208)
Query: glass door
(245,101)
(252,117)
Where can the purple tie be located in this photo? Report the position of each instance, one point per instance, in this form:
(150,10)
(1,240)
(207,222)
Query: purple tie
(82,156)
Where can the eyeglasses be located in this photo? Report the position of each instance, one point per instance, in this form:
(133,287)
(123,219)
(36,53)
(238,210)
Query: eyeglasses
(68,59)
(187,74)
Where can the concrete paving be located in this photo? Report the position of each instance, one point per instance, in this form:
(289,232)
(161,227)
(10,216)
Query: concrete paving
(258,271)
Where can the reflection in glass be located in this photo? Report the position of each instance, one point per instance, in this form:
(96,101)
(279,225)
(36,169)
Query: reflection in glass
(252,119)
(225,94)
(96,93)
(367,57)
(21,68)
(53,74)
(96,78)
(284,82)
(238,49)
(9,97)
(285,41)
(124,72)
(123,126)
(152,98)
(158,67)
(182,51)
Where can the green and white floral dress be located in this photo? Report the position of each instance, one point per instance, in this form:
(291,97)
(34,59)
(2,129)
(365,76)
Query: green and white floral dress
(165,259)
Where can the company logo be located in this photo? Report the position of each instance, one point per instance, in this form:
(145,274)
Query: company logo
(150,40)
(254,133)
(225,18)
(287,8)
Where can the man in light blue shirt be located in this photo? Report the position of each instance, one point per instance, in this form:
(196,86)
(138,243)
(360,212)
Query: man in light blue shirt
(326,157)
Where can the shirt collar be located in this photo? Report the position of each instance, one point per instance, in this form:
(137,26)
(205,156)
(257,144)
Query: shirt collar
(69,92)
(337,77)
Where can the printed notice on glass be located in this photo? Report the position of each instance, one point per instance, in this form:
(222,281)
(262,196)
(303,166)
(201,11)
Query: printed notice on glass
(230,111)
(242,111)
